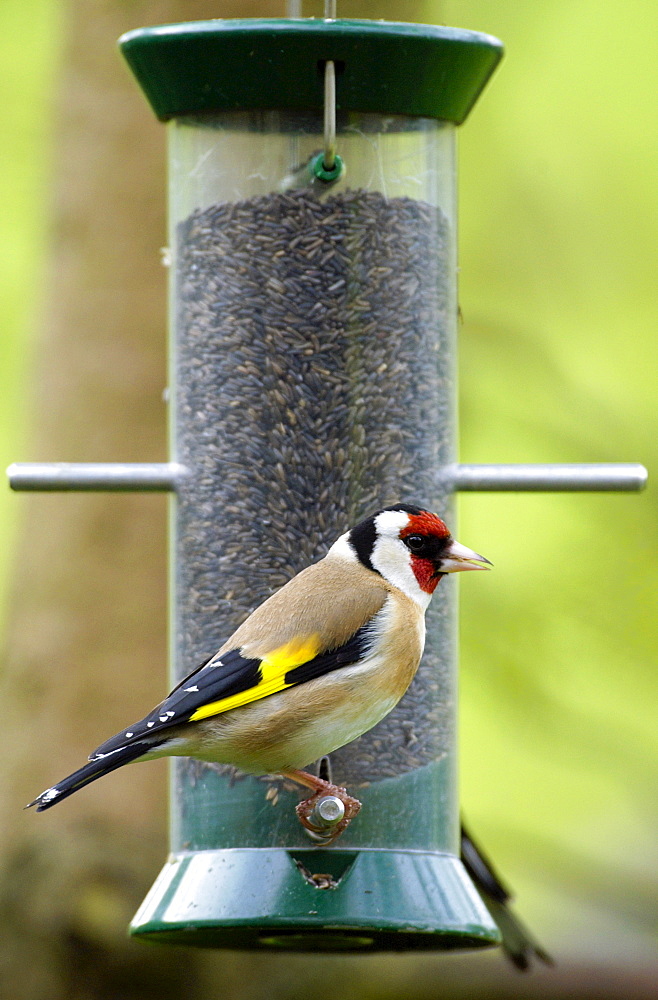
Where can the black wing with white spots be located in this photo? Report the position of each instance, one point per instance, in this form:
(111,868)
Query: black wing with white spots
(231,680)
(221,683)
(218,678)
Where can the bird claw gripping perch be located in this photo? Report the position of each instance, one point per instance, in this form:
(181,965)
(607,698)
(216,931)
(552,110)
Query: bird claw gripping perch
(327,812)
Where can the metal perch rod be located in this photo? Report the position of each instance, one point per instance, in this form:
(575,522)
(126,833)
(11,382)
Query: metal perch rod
(102,476)
(164,477)
(577,477)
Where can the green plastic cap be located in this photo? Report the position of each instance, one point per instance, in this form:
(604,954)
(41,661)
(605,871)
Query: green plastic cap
(388,68)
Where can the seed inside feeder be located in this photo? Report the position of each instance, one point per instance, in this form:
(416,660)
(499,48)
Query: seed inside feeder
(315,386)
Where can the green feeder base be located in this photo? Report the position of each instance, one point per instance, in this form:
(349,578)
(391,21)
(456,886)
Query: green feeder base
(315,900)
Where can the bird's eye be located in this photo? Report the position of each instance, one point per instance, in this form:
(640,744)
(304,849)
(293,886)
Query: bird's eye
(415,542)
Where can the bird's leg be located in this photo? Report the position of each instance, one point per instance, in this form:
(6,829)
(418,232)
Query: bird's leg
(324,834)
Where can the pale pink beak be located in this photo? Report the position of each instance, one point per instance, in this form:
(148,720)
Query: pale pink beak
(456,558)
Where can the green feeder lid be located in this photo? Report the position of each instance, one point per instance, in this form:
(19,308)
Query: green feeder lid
(390,68)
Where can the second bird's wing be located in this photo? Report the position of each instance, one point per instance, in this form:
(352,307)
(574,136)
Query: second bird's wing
(518,943)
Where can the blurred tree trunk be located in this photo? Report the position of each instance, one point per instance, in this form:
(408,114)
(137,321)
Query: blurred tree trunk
(85,646)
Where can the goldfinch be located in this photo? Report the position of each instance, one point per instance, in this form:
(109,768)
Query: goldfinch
(316,665)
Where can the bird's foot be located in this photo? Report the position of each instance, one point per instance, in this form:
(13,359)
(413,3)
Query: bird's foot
(328,811)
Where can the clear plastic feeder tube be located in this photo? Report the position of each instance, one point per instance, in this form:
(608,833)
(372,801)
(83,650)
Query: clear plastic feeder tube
(313,355)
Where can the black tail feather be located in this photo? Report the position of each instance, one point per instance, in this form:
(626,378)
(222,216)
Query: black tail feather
(85,775)
(518,943)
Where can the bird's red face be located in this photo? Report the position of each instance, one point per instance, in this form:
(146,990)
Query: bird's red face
(425,536)
(411,548)
(433,552)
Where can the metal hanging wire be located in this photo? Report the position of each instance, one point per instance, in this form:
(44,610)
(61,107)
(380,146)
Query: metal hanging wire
(329,159)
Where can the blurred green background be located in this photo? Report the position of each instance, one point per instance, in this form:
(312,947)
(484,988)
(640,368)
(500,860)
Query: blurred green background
(559,231)
(558,238)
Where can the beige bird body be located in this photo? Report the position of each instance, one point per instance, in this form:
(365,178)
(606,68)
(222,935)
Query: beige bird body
(331,599)
(291,729)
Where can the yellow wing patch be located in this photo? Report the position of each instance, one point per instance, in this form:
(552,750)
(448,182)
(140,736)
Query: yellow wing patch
(273,669)
(291,654)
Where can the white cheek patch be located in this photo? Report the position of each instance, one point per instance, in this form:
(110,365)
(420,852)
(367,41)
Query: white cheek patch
(391,556)
(391,559)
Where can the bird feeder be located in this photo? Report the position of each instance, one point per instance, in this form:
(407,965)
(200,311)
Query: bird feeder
(313,312)
(312,381)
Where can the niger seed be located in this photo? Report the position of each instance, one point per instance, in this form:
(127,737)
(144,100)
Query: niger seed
(314,386)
